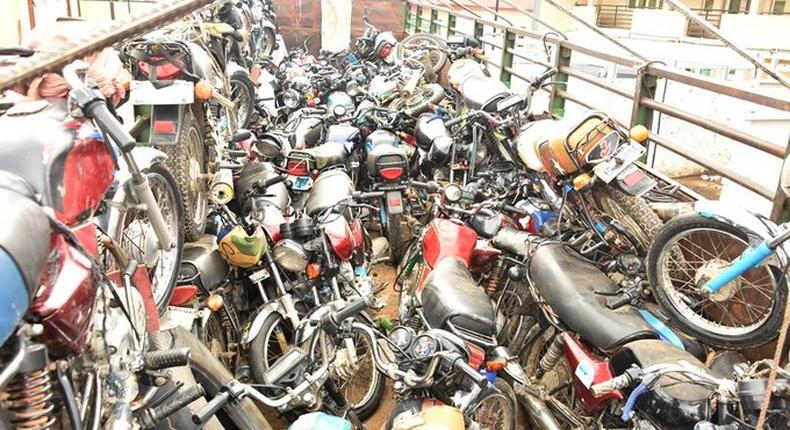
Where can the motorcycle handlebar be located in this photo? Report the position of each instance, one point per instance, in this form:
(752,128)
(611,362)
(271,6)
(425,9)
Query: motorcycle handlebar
(469,115)
(263,184)
(548,74)
(351,310)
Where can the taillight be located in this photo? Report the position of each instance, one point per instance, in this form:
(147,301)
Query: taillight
(164,127)
(298,168)
(385,51)
(391,173)
(163,71)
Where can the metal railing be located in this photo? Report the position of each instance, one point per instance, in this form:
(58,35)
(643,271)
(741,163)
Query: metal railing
(614,16)
(421,16)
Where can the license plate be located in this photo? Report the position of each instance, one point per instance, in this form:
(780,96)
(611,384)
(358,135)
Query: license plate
(394,202)
(301,183)
(259,276)
(174,93)
(619,161)
(175,316)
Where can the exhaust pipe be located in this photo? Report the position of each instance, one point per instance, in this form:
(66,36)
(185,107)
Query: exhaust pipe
(538,413)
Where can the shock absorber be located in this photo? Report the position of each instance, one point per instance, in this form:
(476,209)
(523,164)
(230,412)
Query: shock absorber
(29,395)
(415,322)
(551,357)
(496,276)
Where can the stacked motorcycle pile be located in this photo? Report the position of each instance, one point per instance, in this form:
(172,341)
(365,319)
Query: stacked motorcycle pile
(537,287)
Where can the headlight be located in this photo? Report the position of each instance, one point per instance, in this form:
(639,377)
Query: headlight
(339,111)
(290,255)
(424,346)
(269,147)
(453,193)
(401,336)
(292,99)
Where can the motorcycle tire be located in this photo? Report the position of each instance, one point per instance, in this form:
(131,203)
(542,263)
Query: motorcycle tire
(438,57)
(514,319)
(512,409)
(260,348)
(186,160)
(210,373)
(213,335)
(165,190)
(367,406)
(242,93)
(395,237)
(633,212)
(265,44)
(674,300)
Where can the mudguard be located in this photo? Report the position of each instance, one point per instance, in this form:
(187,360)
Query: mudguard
(166,114)
(282,305)
(757,228)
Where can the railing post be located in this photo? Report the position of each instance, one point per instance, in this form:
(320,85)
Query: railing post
(562,60)
(418,20)
(407,16)
(646,85)
(434,17)
(450,25)
(479,33)
(780,212)
(507,57)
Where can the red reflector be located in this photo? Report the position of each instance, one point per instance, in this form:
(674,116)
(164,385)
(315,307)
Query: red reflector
(391,173)
(298,168)
(385,51)
(165,127)
(476,356)
(183,294)
(163,71)
(633,178)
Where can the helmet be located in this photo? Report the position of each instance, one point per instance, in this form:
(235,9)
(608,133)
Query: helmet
(239,248)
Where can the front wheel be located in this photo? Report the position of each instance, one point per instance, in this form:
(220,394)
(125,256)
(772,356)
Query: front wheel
(690,251)
(497,411)
(632,212)
(138,239)
(274,339)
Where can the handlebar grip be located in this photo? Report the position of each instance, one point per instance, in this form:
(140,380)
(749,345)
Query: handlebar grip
(349,311)
(212,407)
(109,124)
(618,301)
(358,195)
(543,77)
(455,120)
(271,181)
(462,366)
(515,210)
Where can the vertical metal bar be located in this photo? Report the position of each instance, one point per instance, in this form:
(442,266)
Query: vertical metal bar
(418,21)
(479,33)
(450,25)
(780,212)
(434,17)
(507,57)
(563,59)
(646,85)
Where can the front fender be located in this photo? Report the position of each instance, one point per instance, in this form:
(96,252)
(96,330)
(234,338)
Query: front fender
(757,228)
(271,307)
(312,321)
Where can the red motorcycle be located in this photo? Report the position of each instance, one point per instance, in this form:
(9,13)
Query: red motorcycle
(71,292)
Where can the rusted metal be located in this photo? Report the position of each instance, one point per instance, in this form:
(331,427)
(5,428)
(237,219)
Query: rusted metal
(162,13)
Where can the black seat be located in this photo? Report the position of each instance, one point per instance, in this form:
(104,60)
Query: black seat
(451,299)
(34,142)
(573,288)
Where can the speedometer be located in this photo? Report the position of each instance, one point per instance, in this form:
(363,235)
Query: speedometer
(424,346)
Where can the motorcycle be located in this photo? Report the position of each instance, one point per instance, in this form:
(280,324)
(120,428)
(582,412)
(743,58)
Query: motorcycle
(63,275)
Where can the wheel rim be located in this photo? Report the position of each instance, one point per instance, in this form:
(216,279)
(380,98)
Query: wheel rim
(266,45)
(509,319)
(434,55)
(241,97)
(685,265)
(138,240)
(494,413)
(364,373)
(277,341)
(197,184)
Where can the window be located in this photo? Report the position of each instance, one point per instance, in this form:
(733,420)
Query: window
(778,8)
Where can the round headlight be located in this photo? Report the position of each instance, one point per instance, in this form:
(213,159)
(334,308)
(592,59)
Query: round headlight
(453,193)
(339,111)
(292,99)
(290,255)
(401,336)
(424,346)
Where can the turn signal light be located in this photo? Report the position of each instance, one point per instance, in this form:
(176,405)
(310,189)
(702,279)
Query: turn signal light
(215,302)
(313,270)
(496,365)
(582,181)
(639,133)
(203,90)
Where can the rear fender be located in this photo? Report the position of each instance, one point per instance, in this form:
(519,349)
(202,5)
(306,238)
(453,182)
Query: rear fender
(161,117)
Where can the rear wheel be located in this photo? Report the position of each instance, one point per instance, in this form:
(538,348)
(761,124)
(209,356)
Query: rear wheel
(419,101)
(632,212)
(497,411)
(242,93)
(187,161)
(395,237)
(137,238)
(418,41)
(690,251)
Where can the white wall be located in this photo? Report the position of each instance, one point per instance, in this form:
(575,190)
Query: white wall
(757,31)
(658,22)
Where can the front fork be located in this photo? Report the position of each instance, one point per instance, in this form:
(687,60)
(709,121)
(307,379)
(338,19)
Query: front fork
(144,195)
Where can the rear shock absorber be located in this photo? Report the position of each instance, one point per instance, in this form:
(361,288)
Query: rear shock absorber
(496,276)
(551,357)
(29,395)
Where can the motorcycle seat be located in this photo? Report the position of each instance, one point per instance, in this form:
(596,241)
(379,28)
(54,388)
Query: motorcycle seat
(576,290)
(328,154)
(452,300)
(388,154)
(535,133)
(482,92)
(201,263)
